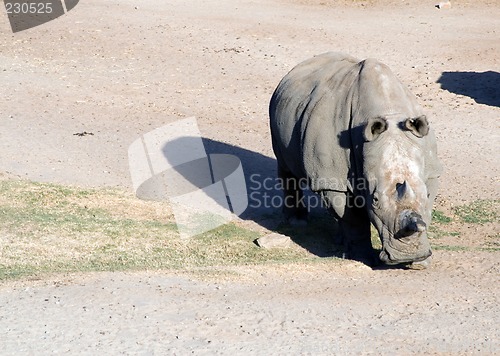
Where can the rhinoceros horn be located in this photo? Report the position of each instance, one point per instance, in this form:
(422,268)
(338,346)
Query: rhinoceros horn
(404,191)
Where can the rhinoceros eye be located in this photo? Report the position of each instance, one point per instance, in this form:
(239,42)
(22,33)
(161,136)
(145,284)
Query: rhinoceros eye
(375,200)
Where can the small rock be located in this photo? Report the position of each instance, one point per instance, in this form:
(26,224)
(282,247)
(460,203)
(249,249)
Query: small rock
(273,240)
(444,5)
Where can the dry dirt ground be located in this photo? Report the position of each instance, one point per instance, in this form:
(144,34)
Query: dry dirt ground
(118,69)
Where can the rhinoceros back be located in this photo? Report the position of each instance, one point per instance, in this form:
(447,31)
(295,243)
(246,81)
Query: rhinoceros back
(310,113)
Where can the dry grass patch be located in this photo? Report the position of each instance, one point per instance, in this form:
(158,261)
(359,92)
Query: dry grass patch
(47,228)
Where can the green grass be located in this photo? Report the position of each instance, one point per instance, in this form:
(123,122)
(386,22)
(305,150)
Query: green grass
(440,218)
(47,228)
(450,248)
(464,248)
(437,229)
(478,212)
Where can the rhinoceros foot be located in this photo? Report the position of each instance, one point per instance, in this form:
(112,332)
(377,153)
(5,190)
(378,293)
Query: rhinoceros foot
(421,264)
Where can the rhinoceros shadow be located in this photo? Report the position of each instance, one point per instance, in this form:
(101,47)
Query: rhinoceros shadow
(265,196)
(483,87)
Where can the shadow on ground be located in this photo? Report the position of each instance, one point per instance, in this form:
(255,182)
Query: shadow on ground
(317,237)
(265,196)
(483,87)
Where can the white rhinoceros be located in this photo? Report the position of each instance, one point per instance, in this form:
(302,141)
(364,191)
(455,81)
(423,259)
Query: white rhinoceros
(359,138)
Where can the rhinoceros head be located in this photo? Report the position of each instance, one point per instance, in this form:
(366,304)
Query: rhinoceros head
(396,194)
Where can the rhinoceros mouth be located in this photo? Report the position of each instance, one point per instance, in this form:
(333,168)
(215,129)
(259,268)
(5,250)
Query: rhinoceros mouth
(395,257)
(403,250)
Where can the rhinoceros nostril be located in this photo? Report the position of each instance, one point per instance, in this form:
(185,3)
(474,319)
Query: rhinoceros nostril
(410,222)
(417,224)
(414,225)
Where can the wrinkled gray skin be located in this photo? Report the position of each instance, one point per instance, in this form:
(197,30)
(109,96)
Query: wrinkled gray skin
(358,137)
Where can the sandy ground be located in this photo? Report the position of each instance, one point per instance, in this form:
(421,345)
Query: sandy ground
(118,69)
(287,310)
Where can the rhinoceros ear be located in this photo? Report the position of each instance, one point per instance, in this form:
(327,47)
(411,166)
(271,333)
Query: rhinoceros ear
(374,128)
(418,126)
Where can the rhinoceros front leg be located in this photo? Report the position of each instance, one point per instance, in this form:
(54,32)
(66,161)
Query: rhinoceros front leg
(294,208)
(354,227)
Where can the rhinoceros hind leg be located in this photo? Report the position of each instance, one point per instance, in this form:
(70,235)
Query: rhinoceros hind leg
(294,208)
